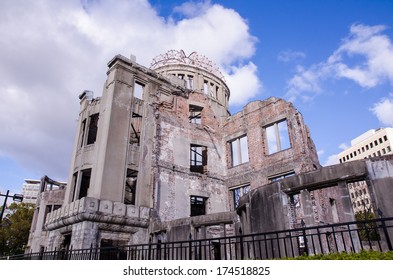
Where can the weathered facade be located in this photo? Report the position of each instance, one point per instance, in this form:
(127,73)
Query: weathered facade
(159,155)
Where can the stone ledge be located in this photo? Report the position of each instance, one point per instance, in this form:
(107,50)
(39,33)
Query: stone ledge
(104,211)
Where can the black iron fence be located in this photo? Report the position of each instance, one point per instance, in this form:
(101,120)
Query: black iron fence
(374,234)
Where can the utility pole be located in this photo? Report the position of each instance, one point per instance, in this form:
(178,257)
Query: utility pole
(15,197)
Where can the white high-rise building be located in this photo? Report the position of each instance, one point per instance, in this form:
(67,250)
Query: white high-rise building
(30,190)
(373,143)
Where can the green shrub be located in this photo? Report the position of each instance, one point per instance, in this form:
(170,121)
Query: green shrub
(363,255)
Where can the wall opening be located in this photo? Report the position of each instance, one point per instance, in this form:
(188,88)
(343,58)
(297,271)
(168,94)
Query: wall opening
(85,182)
(198,158)
(277,137)
(82,133)
(237,193)
(130,187)
(198,205)
(195,114)
(93,128)
(136,126)
(138,90)
(239,150)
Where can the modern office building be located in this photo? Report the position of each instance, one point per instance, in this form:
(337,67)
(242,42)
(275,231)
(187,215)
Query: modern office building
(373,143)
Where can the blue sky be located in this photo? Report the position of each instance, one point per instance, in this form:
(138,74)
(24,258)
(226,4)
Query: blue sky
(332,59)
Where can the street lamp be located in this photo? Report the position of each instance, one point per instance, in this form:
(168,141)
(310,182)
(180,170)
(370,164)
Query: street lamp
(15,197)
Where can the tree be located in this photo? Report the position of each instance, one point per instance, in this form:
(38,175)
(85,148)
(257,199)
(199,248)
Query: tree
(15,228)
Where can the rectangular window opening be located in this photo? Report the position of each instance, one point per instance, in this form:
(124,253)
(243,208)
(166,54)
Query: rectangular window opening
(275,178)
(239,150)
(190,82)
(130,186)
(198,205)
(82,133)
(136,126)
(138,90)
(93,128)
(85,183)
(195,114)
(198,159)
(277,137)
(238,192)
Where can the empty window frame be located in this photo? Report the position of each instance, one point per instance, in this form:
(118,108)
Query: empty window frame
(136,126)
(138,90)
(195,114)
(82,133)
(277,137)
(281,176)
(198,158)
(239,150)
(190,82)
(197,205)
(130,186)
(238,192)
(85,183)
(205,87)
(74,185)
(93,128)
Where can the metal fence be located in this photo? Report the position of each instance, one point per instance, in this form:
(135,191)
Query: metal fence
(350,237)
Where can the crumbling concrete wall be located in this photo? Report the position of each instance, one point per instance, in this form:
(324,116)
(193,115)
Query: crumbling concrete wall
(262,166)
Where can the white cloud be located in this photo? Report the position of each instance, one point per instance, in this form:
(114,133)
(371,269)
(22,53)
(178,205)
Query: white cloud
(365,57)
(289,55)
(243,83)
(343,146)
(383,110)
(51,51)
(331,160)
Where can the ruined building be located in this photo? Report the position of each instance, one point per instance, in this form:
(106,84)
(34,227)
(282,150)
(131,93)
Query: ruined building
(158,155)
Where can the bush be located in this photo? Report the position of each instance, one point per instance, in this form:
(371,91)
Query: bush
(363,255)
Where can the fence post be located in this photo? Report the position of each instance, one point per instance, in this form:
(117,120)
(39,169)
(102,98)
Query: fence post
(149,254)
(385,231)
(304,237)
(190,247)
(241,244)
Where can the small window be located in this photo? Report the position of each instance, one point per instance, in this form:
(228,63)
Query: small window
(190,82)
(198,205)
(93,128)
(238,193)
(277,137)
(138,90)
(239,150)
(371,145)
(388,149)
(198,159)
(367,148)
(130,187)
(385,138)
(362,149)
(205,87)
(85,183)
(380,140)
(82,133)
(376,143)
(136,126)
(195,114)
(281,176)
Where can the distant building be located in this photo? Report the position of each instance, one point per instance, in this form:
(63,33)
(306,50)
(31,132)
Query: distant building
(30,190)
(373,143)
(49,197)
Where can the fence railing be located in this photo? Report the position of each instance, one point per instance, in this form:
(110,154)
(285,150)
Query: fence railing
(374,234)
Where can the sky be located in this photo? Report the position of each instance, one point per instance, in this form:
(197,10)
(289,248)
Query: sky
(332,59)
